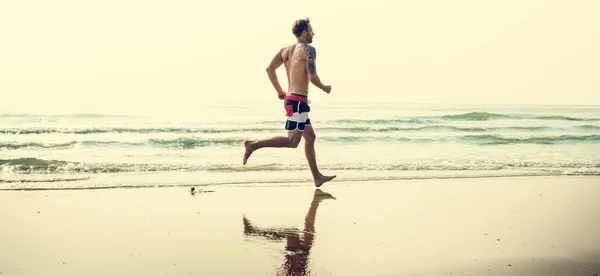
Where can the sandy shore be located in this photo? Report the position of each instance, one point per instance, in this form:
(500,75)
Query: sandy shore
(501,226)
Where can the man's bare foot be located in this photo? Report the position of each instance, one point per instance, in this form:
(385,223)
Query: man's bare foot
(249,150)
(322,195)
(322,179)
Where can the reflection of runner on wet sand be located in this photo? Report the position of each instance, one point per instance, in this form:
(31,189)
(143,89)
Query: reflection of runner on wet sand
(295,262)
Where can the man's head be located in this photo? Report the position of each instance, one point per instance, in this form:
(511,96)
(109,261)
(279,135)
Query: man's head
(303,30)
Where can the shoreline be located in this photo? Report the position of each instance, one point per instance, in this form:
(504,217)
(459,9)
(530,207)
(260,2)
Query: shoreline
(290,183)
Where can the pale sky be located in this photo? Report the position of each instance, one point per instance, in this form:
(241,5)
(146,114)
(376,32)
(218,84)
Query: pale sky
(61,53)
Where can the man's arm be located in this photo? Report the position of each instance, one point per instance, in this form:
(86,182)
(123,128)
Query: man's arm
(311,68)
(271,71)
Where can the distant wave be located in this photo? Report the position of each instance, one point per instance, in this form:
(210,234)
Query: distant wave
(183,142)
(472,139)
(34,165)
(42,180)
(196,142)
(26,131)
(482,116)
(382,121)
(73,115)
(498,140)
(475,116)
(199,142)
(469,116)
(588,127)
(18,145)
(325,128)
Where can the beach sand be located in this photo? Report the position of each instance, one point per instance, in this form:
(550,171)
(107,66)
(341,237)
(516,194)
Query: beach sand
(493,226)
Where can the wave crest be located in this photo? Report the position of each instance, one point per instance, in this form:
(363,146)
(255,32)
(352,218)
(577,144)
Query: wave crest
(499,140)
(483,116)
(29,165)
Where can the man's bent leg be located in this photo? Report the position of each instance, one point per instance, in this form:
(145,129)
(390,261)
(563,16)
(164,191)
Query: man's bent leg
(291,141)
(309,151)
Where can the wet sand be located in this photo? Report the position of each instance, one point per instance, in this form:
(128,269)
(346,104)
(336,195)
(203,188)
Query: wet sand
(497,226)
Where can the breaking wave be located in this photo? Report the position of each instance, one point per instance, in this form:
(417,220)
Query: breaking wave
(199,142)
(30,165)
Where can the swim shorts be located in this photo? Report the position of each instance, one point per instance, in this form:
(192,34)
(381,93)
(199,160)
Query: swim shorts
(296,111)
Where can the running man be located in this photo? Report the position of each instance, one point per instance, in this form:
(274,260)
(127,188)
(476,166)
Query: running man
(299,61)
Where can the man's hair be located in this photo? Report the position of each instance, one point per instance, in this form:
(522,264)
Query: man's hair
(300,26)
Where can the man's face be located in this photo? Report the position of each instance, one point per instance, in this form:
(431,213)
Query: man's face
(309,34)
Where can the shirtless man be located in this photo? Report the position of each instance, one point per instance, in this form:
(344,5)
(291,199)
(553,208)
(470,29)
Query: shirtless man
(299,61)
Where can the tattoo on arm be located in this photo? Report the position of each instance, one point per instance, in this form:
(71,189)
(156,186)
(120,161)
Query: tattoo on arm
(311,56)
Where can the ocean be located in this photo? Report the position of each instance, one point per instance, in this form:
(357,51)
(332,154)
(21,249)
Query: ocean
(203,145)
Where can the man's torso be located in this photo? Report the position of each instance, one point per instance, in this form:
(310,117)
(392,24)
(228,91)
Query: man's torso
(294,59)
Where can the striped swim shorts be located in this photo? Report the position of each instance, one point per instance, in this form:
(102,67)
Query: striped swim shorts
(296,111)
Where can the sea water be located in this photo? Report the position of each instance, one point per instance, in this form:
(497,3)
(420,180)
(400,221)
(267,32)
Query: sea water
(355,141)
